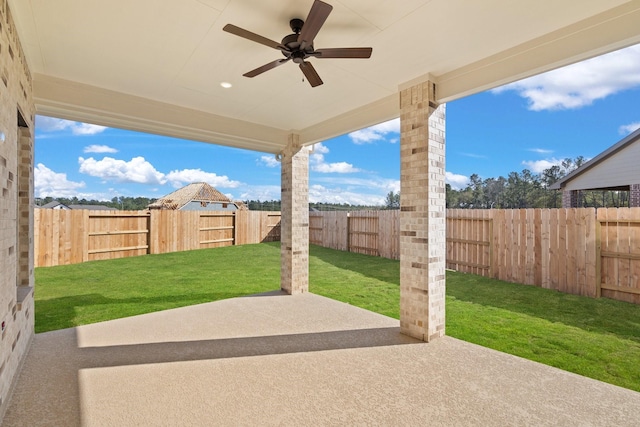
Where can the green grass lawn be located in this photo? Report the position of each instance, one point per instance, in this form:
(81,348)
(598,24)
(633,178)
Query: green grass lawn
(596,338)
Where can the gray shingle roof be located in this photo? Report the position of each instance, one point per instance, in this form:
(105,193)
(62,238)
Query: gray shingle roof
(624,142)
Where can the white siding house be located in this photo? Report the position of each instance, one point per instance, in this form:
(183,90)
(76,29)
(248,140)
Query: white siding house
(617,168)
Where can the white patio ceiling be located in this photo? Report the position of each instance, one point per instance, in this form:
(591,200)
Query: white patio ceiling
(157,65)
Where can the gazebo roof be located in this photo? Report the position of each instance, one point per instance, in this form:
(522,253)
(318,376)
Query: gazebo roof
(156,65)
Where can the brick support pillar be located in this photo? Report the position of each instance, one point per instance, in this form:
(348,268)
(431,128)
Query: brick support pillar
(294,240)
(569,198)
(25,208)
(422,213)
(634,196)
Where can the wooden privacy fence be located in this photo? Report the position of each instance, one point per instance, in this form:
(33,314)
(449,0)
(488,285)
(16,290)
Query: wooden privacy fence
(618,246)
(366,232)
(74,236)
(578,251)
(551,248)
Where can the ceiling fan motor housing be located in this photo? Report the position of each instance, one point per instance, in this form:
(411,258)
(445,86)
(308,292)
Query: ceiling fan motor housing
(291,43)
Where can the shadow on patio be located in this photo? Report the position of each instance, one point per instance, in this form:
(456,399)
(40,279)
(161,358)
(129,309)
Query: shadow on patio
(292,360)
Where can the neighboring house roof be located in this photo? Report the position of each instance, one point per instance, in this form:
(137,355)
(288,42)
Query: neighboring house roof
(241,205)
(54,204)
(198,192)
(92,207)
(614,168)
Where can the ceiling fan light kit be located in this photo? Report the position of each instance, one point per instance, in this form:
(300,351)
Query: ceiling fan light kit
(297,47)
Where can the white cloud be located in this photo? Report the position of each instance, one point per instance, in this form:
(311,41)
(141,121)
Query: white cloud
(269,161)
(137,170)
(54,184)
(86,129)
(319,193)
(335,189)
(540,150)
(538,166)
(50,124)
(187,176)
(456,181)
(627,129)
(362,185)
(261,192)
(474,156)
(580,84)
(318,164)
(376,133)
(338,167)
(319,148)
(99,149)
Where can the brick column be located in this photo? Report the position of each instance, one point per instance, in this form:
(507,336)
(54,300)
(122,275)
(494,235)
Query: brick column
(569,198)
(294,240)
(634,196)
(422,213)
(25,208)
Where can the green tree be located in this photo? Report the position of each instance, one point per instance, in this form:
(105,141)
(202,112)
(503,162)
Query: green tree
(392,201)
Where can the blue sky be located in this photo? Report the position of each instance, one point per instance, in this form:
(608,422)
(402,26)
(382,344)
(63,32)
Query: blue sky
(579,110)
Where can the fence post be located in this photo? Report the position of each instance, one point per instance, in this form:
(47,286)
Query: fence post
(491,242)
(235,228)
(598,258)
(149,232)
(85,235)
(348,232)
(153,231)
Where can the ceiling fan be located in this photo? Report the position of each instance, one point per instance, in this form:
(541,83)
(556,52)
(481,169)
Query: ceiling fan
(299,45)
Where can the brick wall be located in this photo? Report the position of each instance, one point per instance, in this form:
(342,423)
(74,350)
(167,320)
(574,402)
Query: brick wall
(16,195)
(634,196)
(570,198)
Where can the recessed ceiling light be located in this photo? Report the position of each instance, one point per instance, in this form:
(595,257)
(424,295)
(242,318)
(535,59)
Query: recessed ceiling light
(226,85)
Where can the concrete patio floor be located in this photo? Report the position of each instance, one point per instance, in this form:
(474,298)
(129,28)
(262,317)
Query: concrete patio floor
(274,359)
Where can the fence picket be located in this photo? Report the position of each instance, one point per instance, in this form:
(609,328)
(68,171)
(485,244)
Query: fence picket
(537,246)
(570,249)
(545,247)
(592,238)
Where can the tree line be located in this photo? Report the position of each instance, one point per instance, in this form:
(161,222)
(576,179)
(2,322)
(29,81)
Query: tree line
(529,190)
(521,190)
(120,203)
(275,205)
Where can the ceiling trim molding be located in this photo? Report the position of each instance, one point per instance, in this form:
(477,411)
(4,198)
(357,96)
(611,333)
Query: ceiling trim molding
(79,102)
(608,31)
(379,111)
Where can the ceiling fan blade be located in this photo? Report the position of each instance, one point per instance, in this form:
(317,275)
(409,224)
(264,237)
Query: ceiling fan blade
(265,67)
(343,52)
(241,32)
(310,73)
(317,15)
